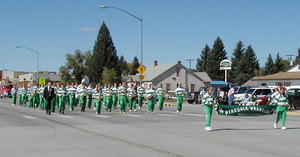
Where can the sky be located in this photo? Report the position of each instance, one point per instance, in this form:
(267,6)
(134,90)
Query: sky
(173,29)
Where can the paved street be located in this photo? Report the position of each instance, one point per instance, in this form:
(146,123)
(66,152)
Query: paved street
(30,133)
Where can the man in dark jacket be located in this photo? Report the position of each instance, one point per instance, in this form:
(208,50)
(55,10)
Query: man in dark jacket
(48,95)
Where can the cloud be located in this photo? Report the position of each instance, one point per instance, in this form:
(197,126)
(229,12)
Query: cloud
(88,29)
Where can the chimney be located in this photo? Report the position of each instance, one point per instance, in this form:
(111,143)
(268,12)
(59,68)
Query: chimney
(155,63)
(179,62)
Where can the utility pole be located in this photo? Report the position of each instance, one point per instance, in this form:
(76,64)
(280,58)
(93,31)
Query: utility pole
(190,63)
(290,58)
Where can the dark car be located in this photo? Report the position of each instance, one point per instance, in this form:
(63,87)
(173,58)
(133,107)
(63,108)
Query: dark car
(193,97)
(294,98)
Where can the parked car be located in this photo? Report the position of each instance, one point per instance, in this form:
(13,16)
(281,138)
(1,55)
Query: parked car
(240,89)
(294,97)
(260,92)
(5,90)
(193,97)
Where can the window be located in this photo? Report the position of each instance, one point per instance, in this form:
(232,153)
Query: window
(177,71)
(258,92)
(168,87)
(161,85)
(266,91)
(192,87)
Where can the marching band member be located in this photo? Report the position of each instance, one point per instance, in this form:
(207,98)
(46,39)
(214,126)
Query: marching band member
(131,93)
(42,100)
(282,103)
(89,92)
(208,101)
(61,93)
(122,98)
(161,97)
(108,95)
(14,92)
(150,96)
(98,97)
(140,92)
(81,90)
(115,96)
(179,92)
(35,99)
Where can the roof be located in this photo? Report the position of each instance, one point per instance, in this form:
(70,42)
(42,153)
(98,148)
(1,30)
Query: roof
(279,76)
(203,76)
(250,83)
(153,72)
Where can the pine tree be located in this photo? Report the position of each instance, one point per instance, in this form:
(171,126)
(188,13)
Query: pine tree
(122,67)
(278,64)
(269,66)
(237,56)
(297,60)
(202,61)
(134,65)
(248,65)
(104,55)
(217,54)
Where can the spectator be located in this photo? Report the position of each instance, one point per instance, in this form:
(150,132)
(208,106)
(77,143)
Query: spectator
(230,95)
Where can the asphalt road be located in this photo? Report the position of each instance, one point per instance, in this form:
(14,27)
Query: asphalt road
(26,132)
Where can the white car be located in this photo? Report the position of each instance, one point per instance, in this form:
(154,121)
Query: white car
(259,92)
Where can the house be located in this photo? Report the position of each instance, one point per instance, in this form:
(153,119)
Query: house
(289,79)
(32,78)
(170,76)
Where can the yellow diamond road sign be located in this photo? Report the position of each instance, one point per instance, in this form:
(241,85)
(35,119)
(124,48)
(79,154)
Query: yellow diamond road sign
(141,69)
(42,81)
(141,77)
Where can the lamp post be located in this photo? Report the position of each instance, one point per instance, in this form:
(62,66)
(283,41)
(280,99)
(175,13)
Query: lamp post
(37,58)
(132,15)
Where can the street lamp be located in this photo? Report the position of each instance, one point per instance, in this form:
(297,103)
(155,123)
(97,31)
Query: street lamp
(140,19)
(37,62)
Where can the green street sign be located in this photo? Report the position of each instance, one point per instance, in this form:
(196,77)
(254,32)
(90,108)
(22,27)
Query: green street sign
(42,81)
(225,64)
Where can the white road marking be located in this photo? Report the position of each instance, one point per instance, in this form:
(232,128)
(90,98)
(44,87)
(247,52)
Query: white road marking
(191,114)
(101,116)
(30,117)
(133,115)
(66,116)
(168,115)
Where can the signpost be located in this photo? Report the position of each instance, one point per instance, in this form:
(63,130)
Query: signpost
(225,65)
(141,69)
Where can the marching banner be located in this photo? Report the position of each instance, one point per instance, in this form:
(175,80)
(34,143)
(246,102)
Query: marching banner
(235,110)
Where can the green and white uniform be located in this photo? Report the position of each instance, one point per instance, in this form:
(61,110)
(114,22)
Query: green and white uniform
(30,94)
(62,95)
(35,95)
(89,92)
(160,92)
(179,92)
(104,96)
(108,101)
(150,96)
(208,101)
(22,96)
(14,92)
(71,92)
(55,99)
(140,92)
(131,94)
(82,97)
(122,101)
(97,96)
(42,101)
(114,97)
(282,103)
